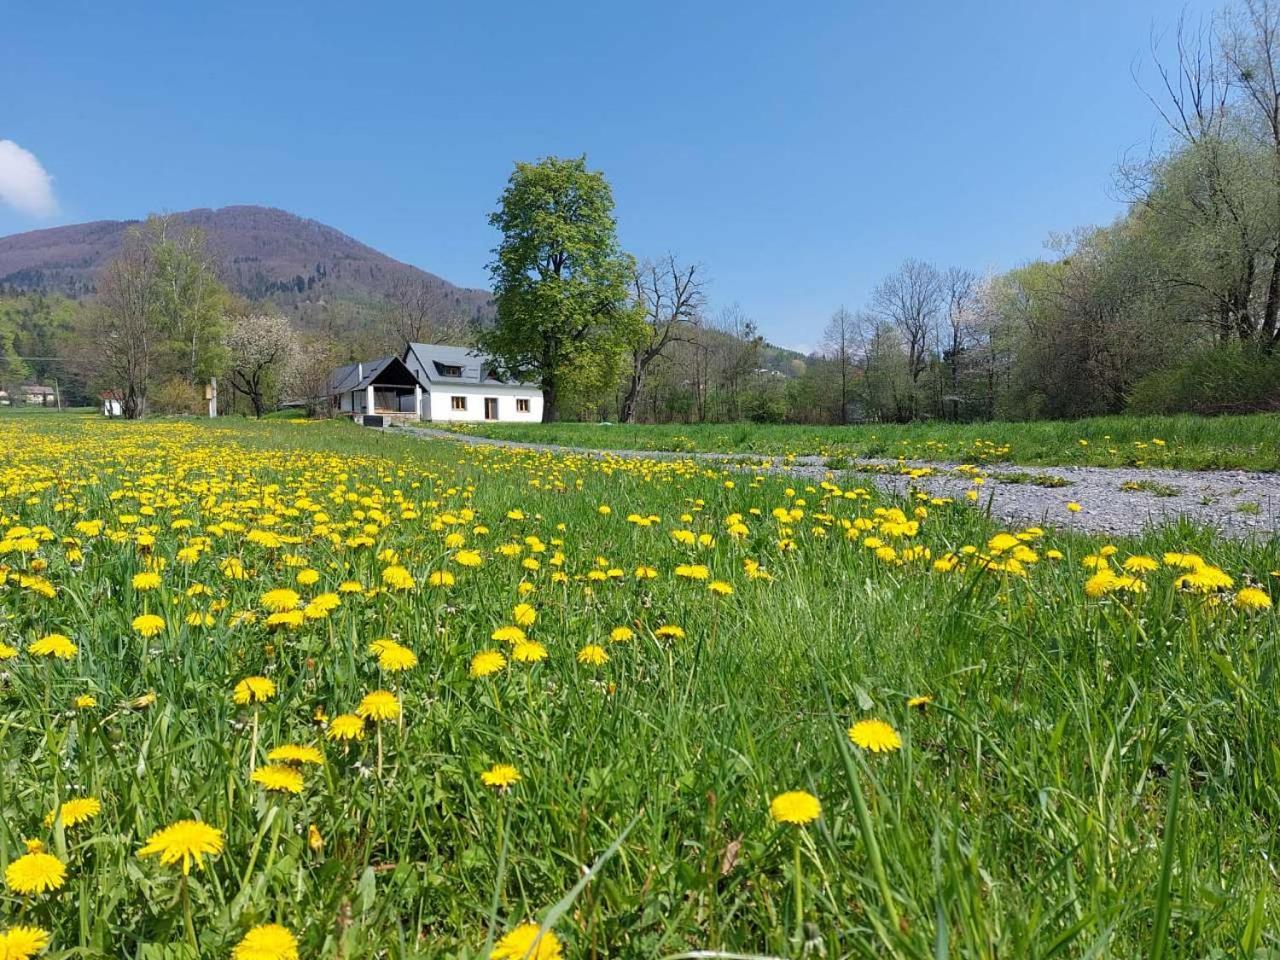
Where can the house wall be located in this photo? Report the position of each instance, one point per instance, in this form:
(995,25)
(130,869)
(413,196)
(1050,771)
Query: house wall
(438,404)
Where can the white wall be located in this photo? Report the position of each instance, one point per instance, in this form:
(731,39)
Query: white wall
(441,405)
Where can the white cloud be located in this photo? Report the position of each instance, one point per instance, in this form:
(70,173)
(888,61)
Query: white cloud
(24,184)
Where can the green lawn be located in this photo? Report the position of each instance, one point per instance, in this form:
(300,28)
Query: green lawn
(1095,775)
(1187,442)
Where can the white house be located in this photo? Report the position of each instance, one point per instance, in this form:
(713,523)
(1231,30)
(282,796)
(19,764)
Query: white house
(463,385)
(433,382)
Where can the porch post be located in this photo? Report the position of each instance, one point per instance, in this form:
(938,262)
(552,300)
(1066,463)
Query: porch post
(368,402)
(417,400)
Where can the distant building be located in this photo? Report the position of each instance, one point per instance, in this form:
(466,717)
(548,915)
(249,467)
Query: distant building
(37,395)
(112,404)
(432,381)
(5,399)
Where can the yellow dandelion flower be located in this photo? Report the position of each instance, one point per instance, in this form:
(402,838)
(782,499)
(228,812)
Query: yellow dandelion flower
(148,624)
(621,634)
(279,777)
(186,841)
(296,753)
(22,942)
(509,634)
(875,735)
(527,942)
(267,941)
(54,645)
(795,806)
(398,578)
(345,726)
(500,776)
(1252,598)
(253,690)
(378,706)
(35,873)
(593,655)
(281,600)
(74,812)
(529,651)
(486,663)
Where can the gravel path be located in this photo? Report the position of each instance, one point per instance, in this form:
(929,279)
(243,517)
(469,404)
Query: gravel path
(1114,500)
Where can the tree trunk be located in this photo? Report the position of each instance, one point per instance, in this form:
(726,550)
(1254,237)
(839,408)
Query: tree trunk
(549,400)
(628,411)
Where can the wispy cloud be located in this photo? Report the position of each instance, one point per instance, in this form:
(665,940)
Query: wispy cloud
(24,183)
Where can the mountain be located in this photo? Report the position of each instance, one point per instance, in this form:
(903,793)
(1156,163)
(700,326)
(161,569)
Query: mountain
(302,266)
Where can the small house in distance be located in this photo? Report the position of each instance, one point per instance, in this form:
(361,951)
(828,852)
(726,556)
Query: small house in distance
(462,384)
(112,403)
(38,395)
(432,382)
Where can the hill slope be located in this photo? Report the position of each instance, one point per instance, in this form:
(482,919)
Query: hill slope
(266,254)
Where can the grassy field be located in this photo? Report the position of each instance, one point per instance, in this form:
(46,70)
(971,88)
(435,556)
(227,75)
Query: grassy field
(322,645)
(1186,442)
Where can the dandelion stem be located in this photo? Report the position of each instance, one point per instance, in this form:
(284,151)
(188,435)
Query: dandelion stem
(253,744)
(799,891)
(187,920)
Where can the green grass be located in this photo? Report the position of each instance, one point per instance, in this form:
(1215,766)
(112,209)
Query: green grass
(1096,777)
(1187,442)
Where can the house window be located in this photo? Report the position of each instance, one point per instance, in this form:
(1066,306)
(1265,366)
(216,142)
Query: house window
(458,403)
(448,369)
(522,406)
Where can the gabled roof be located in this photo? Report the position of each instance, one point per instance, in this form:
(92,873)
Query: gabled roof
(440,363)
(357,376)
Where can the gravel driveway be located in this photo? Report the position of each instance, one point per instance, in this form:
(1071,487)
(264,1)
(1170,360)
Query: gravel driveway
(1114,500)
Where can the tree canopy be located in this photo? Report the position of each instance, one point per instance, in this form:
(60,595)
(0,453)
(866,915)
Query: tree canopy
(561,282)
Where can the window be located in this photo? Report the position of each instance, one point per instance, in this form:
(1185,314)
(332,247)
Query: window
(448,369)
(458,403)
(522,406)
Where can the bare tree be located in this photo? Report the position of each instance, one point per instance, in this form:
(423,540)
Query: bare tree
(1250,44)
(306,377)
(911,299)
(734,349)
(839,341)
(419,311)
(259,347)
(672,297)
(124,325)
(959,287)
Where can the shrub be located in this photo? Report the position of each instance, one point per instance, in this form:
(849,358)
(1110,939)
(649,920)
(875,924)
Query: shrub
(176,396)
(1232,378)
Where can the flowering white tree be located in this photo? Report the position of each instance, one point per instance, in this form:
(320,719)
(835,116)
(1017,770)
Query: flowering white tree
(259,348)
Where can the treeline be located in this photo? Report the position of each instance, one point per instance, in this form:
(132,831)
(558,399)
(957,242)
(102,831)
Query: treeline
(1174,307)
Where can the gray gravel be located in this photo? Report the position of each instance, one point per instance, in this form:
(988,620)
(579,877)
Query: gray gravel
(1234,502)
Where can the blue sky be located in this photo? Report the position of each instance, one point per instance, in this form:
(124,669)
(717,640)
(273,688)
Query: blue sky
(798,151)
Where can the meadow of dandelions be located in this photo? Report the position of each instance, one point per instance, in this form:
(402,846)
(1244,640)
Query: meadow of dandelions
(271,691)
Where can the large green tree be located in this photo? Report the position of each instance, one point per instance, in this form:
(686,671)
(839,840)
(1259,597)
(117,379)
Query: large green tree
(565,315)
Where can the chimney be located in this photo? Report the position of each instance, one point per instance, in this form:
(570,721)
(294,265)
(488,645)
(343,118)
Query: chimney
(359,372)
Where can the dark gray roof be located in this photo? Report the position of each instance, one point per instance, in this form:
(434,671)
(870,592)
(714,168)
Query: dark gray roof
(440,363)
(357,376)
